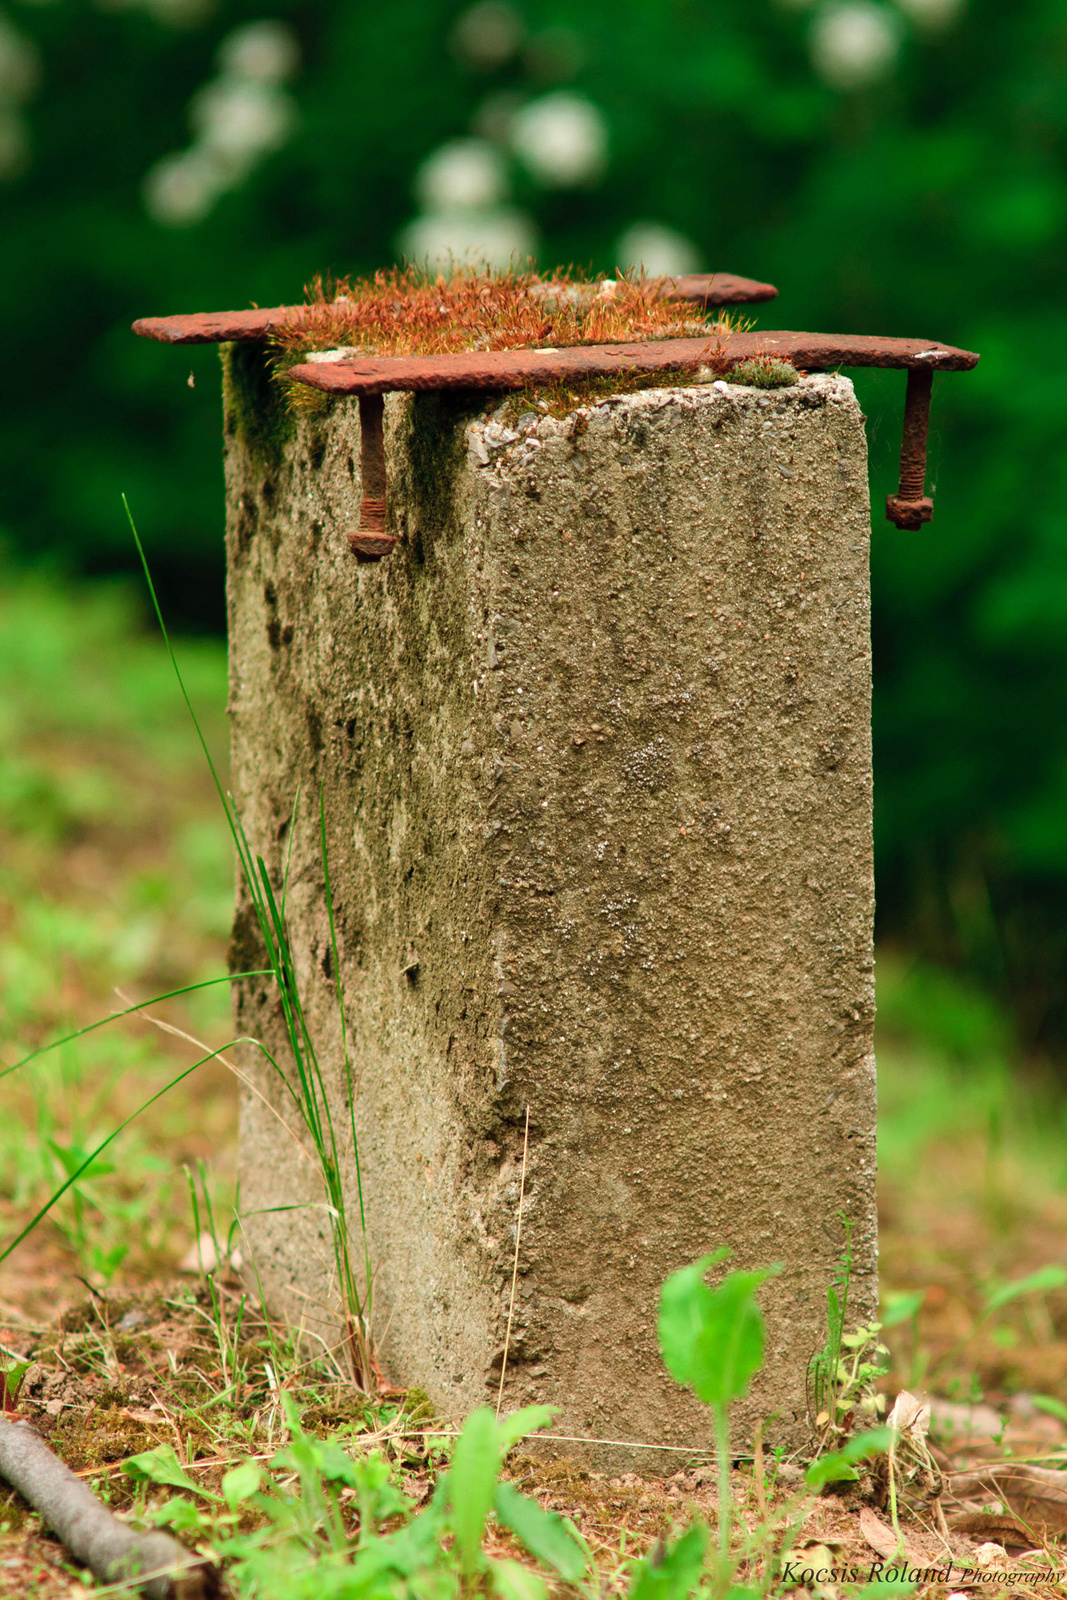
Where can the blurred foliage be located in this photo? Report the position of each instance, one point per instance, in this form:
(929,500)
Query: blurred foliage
(115,871)
(925,196)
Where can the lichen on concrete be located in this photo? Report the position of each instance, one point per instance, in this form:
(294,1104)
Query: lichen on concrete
(593,747)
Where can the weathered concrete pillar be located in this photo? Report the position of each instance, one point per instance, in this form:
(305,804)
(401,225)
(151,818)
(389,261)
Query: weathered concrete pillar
(594,749)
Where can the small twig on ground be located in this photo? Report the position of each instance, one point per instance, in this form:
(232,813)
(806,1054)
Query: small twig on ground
(165,1569)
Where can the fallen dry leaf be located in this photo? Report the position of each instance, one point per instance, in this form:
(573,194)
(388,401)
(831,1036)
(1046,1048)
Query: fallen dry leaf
(1037,1496)
(986,1525)
(910,1414)
(880,1536)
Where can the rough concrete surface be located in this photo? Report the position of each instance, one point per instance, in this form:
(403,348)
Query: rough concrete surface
(593,745)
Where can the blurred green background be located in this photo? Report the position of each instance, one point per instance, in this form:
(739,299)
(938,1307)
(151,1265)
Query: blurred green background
(895,166)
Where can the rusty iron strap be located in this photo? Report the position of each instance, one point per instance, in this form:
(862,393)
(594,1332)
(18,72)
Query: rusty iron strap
(219,327)
(516,369)
(370,377)
(257,325)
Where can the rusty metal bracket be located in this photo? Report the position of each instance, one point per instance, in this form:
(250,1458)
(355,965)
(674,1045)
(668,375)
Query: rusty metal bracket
(258,324)
(520,369)
(517,369)
(369,378)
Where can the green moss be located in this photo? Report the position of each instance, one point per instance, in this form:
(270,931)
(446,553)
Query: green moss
(418,1407)
(15,1517)
(98,1438)
(763,372)
(561,399)
(258,416)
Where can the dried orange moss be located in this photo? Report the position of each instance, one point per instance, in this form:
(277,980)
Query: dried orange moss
(404,311)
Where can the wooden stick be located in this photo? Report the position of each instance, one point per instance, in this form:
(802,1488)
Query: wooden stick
(165,1569)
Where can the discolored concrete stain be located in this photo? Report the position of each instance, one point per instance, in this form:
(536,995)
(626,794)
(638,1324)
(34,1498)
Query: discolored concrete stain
(593,746)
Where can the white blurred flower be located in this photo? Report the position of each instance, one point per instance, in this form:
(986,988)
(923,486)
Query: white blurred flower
(661,251)
(180,190)
(854,42)
(14,145)
(265,52)
(932,14)
(20,65)
(562,138)
(464,175)
(20,72)
(239,120)
(491,238)
(488,34)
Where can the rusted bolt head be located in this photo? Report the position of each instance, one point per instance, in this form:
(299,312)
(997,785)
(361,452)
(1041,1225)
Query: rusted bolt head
(371,545)
(909,514)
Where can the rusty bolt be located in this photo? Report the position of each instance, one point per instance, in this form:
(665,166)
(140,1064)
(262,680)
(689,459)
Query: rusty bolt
(370,539)
(909,507)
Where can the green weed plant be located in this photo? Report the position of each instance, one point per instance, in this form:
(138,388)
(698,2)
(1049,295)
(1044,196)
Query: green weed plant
(712,1342)
(330,1516)
(842,1376)
(317,1520)
(305,1084)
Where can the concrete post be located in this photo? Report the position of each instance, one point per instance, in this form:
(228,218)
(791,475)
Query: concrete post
(593,745)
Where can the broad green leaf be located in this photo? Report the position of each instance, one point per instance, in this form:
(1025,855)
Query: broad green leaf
(241,1483)
(181,1515)
(10,1384)
(161,1465)
(1040,1282)
(730,1347)
(520,1423)
(513,1581)
(379,1496)
(337,1466)
(712,1339)
(542,1532)
(472,1479)
(840,1467)
(684,1304)
(677,1573)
